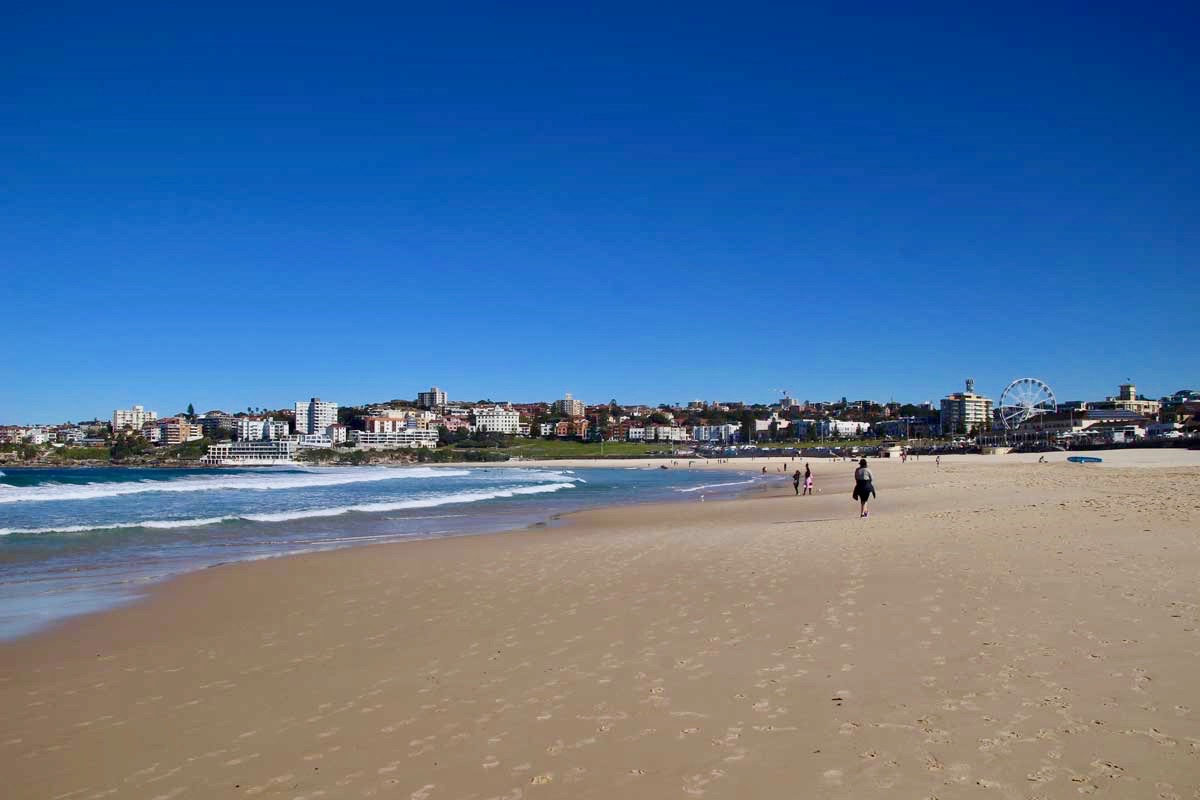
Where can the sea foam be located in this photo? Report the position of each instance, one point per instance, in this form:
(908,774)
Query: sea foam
(263,481)
(429,501)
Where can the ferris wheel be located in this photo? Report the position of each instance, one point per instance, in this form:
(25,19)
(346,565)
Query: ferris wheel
(1024,399)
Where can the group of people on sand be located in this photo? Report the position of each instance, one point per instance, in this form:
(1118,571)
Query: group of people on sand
(807,478)
(864,484)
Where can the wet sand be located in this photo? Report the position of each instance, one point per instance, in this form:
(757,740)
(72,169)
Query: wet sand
(994,629)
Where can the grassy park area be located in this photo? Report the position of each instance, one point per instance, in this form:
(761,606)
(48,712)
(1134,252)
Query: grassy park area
(564,448)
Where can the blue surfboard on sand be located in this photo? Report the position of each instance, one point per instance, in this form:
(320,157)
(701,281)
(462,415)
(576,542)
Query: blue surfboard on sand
(1085,459)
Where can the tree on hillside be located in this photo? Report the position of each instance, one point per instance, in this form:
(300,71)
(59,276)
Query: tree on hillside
(191,412)
(748,426)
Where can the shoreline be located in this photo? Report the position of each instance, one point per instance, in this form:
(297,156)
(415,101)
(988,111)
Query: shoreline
(985,625)
(125,595)
(132,586)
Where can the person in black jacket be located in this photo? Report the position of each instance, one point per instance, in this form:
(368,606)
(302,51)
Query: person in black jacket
(864,486)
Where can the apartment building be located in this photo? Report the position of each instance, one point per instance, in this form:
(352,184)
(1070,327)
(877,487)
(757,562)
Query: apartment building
(177,430)
(151,433)
(214,421)
(131,418)
(966,411)
(314,416)
(666,433)
(569,406)
(497,419)
(406,437)
(716,433)
(258,428)
(389,424)
(434,398)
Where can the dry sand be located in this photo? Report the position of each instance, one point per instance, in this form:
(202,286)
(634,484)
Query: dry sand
(995,629)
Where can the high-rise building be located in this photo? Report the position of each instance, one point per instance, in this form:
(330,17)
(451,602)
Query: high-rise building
(963,412)
(315,416)
(131,418)
(434,398)
(569,406)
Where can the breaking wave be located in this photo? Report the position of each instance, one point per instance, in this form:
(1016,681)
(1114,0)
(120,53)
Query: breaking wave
(238,481)
(287,516)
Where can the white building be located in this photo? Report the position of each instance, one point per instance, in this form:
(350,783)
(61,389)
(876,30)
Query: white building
(38,435)
(407,437)
(716,433)
(761,425)
(546,429)
(434,398)
(315,416)
(134,418)
(336,433)
(665,433)
(827,428)
(636,434)
(258,453)
(389,424)
(71,434)
(249,429)
(151,433)
(307,441)
(497,419)
(569,406)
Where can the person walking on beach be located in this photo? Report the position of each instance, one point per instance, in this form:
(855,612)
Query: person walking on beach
(808,480)
(796,482)
(864,486)
(938,462)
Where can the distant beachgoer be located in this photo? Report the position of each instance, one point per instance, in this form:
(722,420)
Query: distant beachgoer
(864,486)
(808,480)
(796,482)
(938,461)
(764,472)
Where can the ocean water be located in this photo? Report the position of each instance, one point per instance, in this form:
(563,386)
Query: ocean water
(79,540)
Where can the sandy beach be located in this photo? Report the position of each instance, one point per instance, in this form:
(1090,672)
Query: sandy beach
(996,628)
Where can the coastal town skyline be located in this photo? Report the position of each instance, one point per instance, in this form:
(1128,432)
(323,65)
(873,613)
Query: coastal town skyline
(1027,413)
(95,410)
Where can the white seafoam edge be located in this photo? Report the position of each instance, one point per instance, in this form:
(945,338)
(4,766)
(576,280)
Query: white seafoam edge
(265,480)
(287,516)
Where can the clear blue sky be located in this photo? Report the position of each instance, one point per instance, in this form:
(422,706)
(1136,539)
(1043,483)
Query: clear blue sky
(235,205)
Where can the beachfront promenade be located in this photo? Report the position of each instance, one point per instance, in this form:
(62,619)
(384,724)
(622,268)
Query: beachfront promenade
(997,628)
